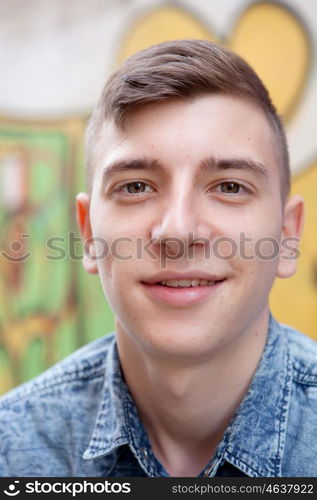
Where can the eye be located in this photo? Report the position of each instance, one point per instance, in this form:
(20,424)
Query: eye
(136,187)
(230,187)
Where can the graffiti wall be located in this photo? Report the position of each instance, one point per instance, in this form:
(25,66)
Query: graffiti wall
(48,306)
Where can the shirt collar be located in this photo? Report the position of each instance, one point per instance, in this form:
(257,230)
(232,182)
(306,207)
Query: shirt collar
(110,430)
(253,442)
(117,421)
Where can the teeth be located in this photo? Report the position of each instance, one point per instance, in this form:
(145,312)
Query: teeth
(172,283)
(184,283)
(187,283)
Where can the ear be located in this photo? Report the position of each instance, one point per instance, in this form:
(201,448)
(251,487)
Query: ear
(83,220)
(292,229)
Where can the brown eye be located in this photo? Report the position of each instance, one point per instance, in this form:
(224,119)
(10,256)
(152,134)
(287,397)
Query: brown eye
(230,187)
(136,187)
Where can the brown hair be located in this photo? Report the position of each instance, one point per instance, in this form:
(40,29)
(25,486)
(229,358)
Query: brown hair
(181,69)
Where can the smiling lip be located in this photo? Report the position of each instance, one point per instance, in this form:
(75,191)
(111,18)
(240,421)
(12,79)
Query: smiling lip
(181,296)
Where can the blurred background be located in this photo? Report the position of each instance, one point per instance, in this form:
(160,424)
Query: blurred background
(55,56)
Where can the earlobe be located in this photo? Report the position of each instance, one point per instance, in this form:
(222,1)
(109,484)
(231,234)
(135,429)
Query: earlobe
(292,229)
(83,220)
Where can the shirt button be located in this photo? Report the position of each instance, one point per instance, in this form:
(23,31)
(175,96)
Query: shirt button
(144,453)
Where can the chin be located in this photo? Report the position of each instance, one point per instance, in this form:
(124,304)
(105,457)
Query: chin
(178,343)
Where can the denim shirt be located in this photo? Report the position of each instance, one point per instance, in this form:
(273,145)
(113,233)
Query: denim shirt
(78,418)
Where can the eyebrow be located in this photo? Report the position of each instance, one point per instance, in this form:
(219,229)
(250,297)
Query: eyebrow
(213,163)
(208,164)
(127,165)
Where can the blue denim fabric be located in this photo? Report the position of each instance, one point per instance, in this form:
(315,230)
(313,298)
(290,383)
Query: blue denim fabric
(78,418)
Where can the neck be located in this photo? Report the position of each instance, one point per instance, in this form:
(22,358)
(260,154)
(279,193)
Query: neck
(186,406)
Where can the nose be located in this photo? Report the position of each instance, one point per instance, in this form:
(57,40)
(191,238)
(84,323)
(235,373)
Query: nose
(181,225)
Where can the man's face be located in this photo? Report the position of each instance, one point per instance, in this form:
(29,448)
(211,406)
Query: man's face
(188,199)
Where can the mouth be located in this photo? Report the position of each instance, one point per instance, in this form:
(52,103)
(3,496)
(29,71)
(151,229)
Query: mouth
(187,283)
(182,292)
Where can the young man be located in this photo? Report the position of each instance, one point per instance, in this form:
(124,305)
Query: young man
(187,221)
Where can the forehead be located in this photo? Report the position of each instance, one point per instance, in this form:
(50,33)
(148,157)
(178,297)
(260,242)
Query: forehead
(179,131)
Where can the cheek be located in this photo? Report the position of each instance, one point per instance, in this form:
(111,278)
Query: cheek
(257,269)
(258,234)
(122,225)
(257,244)
(118,269)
